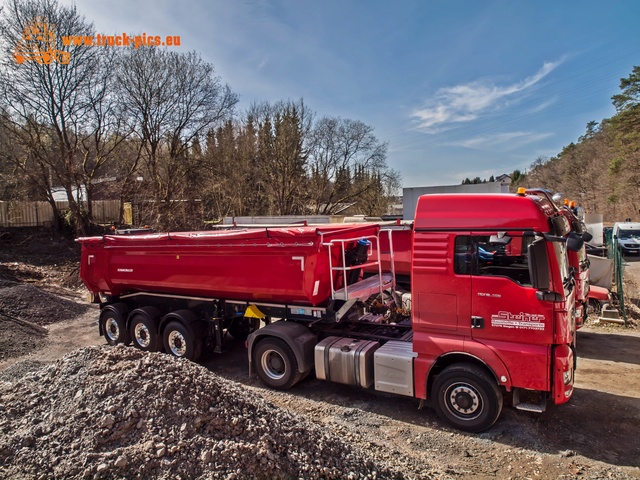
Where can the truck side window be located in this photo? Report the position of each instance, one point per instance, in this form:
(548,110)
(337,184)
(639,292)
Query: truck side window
(474,255)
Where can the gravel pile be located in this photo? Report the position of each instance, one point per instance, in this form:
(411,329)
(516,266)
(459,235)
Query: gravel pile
(17,339)
(117,412)
(19,370)
(36,305)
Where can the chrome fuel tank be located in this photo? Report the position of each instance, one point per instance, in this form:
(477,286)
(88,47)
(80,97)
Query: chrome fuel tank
(345,360)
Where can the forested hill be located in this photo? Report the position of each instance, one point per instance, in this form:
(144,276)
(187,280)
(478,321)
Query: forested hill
(601,170)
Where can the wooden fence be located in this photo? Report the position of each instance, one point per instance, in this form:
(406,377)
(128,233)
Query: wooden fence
(33,214)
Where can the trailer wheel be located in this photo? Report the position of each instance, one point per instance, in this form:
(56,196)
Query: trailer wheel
(178,341)
(144,334)
(467,398)
(114,328)
(276,364)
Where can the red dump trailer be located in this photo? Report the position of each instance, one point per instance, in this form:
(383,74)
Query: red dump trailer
(318,300)
(282,265)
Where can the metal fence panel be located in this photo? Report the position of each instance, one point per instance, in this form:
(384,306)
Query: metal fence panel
(34,214)
(618,273)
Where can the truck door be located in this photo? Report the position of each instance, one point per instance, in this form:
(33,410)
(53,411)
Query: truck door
(504,307)
(441,301)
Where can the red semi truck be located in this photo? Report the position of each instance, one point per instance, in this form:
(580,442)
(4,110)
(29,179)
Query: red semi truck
(578,261)
(476,329)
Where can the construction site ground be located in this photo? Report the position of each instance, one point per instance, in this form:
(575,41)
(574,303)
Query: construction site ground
(44,320)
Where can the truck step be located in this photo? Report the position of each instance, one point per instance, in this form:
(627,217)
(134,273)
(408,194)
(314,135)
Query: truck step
(365,288)
(530,405)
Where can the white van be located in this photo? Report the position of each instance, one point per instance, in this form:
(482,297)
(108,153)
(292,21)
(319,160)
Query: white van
(627,236)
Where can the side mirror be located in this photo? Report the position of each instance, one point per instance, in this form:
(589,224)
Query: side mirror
(538,265)
(574,242)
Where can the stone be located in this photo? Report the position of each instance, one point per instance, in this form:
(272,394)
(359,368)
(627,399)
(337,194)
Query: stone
(205,456)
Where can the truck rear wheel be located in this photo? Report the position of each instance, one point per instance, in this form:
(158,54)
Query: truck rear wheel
(144,334)
(180,342)
(114,328)
(467,398)
(276,364)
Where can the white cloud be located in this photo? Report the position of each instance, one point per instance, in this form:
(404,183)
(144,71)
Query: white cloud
(463,103)
(507,141)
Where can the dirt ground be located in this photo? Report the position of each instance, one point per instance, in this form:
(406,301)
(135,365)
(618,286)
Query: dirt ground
(595,435)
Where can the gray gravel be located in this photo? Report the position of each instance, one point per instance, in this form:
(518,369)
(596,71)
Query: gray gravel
(117,412)
(19,370)
(37,305)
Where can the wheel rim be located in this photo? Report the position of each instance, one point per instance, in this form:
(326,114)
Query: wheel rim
(273,364)
(177,344)
(142,335)
(112,329)
(463,401)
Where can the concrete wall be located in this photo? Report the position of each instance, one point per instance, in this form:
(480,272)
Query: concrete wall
(595,227)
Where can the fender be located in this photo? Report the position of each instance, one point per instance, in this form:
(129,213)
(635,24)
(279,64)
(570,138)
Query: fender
(492,360)
(447,349)
(151,313)
(189,319)
(297,336)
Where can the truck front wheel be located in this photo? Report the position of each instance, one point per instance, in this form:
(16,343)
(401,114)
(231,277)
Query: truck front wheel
(466,397)
(276,364)
(180,342)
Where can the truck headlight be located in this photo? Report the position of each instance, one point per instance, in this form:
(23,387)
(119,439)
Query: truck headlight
(567,377)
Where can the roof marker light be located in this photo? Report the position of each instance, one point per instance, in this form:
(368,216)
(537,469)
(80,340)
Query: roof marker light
(521,191)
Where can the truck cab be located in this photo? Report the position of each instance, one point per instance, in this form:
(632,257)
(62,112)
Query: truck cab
(578,260)
(481,321)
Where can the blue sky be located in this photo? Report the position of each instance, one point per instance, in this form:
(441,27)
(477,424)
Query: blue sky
(458,88)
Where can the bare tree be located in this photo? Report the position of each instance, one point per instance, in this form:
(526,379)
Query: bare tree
(59,101)
(348,163)
(169,99)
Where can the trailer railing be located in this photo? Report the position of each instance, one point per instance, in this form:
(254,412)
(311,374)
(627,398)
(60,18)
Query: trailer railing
(368,286)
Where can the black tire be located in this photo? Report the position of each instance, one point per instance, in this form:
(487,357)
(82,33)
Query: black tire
(276,364)
(114,328)
(144,334)
(594,306)
(178,341)
(467,397)
(240,328)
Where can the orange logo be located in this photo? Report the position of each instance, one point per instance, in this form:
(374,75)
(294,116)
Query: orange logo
(38,44)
